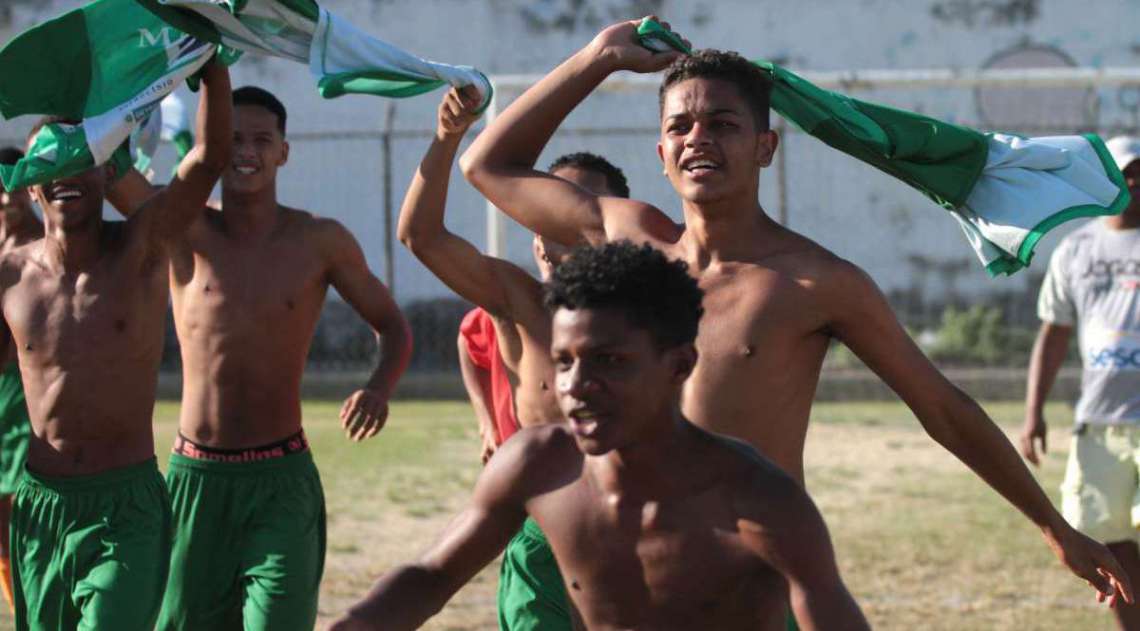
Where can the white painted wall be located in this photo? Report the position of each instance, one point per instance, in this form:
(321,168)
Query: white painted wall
(901,239)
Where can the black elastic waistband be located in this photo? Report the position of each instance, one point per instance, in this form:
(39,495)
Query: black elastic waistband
(295,444)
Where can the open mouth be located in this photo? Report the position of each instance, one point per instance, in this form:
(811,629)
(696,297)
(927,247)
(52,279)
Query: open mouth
(584,422)
(64,193)
(700,166)
(245,169)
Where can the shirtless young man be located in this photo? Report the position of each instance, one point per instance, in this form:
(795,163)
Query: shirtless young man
(248,285)
(656,523)
(773,298)
(85,309)
(19,225)
(531,593)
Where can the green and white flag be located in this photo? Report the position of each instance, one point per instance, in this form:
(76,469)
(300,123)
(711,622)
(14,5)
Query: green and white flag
(342,58)
(1005,191)
(104,68)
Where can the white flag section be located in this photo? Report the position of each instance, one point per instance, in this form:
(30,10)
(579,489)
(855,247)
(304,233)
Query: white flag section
(1031,185)
(342,58)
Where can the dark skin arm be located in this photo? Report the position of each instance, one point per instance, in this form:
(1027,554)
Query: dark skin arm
(859,316)
(477,382)
(1048,354)
(366,410)
(408,595)
(789,535)
(491,283)
(167,212)
(501,161)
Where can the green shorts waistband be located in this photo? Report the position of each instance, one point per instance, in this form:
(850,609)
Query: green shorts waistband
(95,481)
(530,529)
(290,462)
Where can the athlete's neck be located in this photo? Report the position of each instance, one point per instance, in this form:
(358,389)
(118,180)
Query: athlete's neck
(724,231)
(1126,220)
(250,215)
(74,250)
(650,465)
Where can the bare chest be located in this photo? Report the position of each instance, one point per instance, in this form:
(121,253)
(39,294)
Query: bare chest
(627,565)
(754,317)
(97,316)
(270,287)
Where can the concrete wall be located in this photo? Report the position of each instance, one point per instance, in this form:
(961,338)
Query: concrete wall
(912,249)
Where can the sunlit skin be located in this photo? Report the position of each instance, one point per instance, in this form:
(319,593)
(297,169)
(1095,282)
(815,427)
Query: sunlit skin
(507,292)
(655,523)
(19,225)
(774,300)
(248,284)
(85,306)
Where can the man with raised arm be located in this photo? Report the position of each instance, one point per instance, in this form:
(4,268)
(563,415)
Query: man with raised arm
(774,299)
(85,308)
(248,284)
(19,225)
(656,523)
(531,594)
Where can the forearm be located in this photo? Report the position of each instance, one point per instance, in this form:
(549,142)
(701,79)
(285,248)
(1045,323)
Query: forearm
(213,125)
(838,611)
(477,383)
(421,217)
(1048,355)
(395,342)
(516,137)
(963,428)
(404,598)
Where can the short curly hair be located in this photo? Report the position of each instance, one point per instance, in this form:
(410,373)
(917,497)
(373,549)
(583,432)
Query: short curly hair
(653,292)
(754,84)
(615,179)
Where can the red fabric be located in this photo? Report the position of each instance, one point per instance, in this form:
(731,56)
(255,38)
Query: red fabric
(478,329)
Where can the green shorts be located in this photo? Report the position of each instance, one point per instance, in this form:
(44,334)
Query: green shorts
(91,552)
(14,429)
(532,596)
(249,544)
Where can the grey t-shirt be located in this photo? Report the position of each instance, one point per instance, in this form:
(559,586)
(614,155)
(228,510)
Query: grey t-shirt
(1093,283)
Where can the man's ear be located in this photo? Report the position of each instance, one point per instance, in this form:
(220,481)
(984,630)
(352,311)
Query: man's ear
(766,147)
(284,153)
(683,360)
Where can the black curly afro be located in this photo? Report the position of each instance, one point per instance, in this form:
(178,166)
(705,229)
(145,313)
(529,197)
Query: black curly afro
(653,292)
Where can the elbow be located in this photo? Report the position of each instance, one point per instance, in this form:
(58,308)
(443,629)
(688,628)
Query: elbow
(473,167)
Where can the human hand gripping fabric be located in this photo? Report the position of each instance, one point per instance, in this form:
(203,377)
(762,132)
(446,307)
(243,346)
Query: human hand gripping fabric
(620,45)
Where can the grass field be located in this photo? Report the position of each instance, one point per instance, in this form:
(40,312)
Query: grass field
(921,542)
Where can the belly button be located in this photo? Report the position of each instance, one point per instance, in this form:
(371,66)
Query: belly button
(28,346)
(542,384)
(574,585)
(748,350)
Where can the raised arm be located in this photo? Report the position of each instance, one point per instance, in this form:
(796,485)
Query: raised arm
(789,534)
(491,283)
(169,211)
(405,597)
(477,382)
(1048,354)
(366,410)
(501,161)
(860,317)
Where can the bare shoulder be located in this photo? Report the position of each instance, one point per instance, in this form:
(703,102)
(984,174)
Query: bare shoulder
(16,261)
(638,221)
(538,459)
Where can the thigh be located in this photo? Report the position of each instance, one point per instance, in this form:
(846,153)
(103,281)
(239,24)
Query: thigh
(283,558)
(203,590)
(1100,485)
